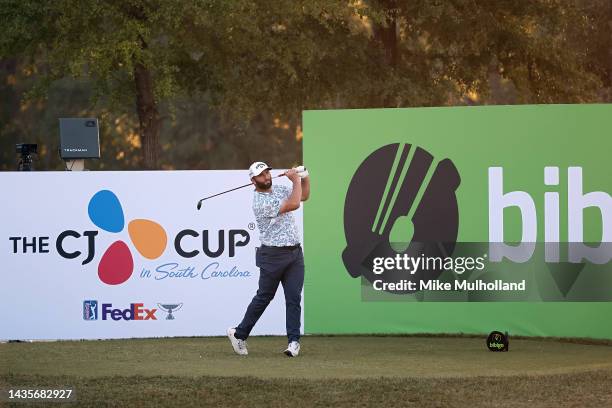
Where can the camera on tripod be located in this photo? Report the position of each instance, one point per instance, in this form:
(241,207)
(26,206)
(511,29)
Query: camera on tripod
(25,151)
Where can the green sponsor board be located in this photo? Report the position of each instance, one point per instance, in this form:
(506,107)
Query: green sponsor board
(464,219)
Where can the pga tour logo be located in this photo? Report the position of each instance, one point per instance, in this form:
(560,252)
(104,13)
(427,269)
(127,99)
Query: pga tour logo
(136,311)
(90,310)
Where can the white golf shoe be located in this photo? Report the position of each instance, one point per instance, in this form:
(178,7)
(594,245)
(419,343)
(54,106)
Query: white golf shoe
(239,346)
(293,349)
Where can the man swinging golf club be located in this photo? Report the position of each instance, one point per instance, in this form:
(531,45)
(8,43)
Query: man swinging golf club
(280,258)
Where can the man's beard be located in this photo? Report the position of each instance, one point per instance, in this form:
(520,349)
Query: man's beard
(264,186)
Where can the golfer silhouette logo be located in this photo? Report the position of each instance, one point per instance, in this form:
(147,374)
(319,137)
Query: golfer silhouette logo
(400,201)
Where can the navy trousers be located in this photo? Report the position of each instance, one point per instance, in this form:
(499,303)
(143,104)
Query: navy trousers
(277,265)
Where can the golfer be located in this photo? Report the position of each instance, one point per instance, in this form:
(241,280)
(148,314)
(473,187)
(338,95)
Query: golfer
(280,258)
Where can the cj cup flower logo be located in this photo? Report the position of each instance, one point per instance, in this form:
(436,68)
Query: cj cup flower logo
(148,237)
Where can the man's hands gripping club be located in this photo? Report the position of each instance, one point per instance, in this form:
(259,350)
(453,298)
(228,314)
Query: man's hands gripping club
(299,178)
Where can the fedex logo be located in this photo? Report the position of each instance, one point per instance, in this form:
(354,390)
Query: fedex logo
(136,311)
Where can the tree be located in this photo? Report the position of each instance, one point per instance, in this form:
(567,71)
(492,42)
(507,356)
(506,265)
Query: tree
(149,51)
(254,60)
(390,53)
(122,46)
(454,46)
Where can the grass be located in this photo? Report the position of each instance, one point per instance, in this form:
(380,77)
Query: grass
(338,371)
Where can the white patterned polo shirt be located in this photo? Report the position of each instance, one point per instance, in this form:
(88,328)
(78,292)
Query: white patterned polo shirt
(275,229)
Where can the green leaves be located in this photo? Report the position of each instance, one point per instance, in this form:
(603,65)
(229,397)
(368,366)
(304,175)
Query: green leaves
(249,58)
(300,54)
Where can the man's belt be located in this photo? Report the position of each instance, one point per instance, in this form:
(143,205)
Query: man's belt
(290,247)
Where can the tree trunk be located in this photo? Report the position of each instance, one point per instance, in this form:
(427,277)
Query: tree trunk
(387,34)
(148,115)
(388,37)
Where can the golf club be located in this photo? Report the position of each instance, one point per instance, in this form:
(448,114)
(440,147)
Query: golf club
(300,169)
(236,188)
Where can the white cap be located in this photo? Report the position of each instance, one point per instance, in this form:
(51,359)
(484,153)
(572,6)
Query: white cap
(257,168)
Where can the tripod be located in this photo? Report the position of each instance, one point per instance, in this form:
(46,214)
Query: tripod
(25,163)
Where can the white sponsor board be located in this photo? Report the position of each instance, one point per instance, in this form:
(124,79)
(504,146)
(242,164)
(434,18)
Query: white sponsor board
(60,280)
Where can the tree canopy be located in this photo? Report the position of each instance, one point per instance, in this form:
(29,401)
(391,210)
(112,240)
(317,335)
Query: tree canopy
(212,83)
